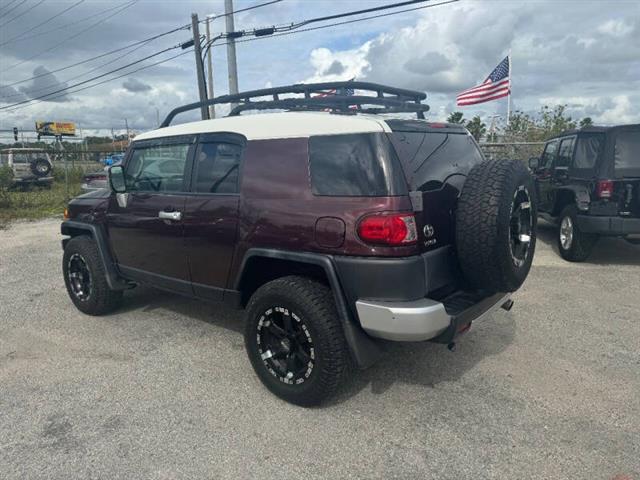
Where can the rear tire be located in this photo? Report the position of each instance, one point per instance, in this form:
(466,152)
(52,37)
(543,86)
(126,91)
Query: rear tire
(574,246)
(295,341)
(496,225)
(85,278)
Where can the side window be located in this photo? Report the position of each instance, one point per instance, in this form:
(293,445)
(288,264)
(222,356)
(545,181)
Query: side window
(217,167)
(587,151)
(157,168)
(549,154)
(565,152)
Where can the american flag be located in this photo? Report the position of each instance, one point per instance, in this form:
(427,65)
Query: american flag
(497,85)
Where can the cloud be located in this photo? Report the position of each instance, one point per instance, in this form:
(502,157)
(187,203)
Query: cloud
(135,86)
(45,83)
(336,68)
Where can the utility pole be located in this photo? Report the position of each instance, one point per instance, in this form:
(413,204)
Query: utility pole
(231,49)
(126,125)
(212,109)
(204,111)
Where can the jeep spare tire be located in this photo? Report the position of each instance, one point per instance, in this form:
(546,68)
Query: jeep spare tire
(496,224)
(40,167)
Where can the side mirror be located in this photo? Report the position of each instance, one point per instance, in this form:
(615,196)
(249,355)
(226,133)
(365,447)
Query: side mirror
(534,163)
(116,179)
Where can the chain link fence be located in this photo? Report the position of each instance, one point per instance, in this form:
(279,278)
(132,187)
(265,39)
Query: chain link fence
(522,151)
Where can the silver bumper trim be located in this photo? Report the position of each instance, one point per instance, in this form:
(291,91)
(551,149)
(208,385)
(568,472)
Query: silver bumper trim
(403,321)
(415,321)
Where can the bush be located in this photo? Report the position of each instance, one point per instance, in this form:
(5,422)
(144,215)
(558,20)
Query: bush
(6,180)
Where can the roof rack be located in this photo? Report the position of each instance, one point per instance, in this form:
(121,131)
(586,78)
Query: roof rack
(337,97)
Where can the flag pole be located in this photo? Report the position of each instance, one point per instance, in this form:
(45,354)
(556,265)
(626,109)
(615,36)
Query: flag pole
(509,96)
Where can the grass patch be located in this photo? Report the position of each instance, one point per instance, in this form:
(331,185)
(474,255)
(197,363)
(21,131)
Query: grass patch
(36,203)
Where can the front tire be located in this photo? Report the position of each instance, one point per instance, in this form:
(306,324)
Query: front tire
(574,246)
(295,341)
(85,278)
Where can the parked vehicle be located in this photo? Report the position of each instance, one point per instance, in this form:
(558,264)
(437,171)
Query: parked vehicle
(30,165)
(332,229)
(96,180)
(588,183)
(112,159)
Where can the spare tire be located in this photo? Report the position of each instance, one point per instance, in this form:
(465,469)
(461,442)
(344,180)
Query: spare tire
(496,224)
(40,167)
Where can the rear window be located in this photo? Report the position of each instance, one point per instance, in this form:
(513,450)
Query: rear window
(429,158)
(362,165)
(627,151)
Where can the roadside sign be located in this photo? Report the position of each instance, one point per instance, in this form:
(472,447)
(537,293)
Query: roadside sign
(56,129)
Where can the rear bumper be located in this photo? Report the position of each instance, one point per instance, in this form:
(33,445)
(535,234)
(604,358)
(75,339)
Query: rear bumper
(424,319)
(609,225)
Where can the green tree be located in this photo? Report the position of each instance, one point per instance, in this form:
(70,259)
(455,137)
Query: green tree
(456,117)
(554,120)
(586,122)
(476,127)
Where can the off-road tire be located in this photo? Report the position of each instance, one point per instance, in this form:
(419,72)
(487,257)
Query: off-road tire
(483,225)
(102,299)
(313,303)
(582,243)
(40,167)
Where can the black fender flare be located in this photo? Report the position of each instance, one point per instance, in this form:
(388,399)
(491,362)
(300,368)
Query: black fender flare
(365,351)
(73,228)
(580,193)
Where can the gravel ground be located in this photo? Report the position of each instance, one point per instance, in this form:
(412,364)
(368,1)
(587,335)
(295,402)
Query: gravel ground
(162,389)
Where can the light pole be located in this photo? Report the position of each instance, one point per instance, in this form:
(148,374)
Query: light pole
(212,109)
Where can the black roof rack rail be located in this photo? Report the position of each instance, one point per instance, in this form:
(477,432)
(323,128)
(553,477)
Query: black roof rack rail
(386,100)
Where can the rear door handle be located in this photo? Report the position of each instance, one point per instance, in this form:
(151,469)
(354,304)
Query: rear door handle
(170,215)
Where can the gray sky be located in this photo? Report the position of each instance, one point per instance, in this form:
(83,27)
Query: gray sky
(582,53)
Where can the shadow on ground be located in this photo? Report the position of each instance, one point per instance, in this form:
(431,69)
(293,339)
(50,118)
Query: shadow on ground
(424,363)
(607,251)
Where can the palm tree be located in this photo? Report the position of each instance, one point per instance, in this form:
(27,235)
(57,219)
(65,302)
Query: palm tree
(476,127)
(456,117)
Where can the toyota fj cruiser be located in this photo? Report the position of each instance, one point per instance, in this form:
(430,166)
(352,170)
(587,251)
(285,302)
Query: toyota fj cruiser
(333,225)
(588,182)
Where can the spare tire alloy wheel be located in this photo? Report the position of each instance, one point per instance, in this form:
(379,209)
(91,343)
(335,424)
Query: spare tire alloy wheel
(496,224)
(521,227)
(285,346)
(79,277)
(40,167)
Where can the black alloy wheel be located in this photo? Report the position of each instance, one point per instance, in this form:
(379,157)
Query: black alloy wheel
(285,345)
(521,226)
(79,277)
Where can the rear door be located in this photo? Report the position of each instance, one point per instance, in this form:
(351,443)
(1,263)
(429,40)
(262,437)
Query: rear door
(211,212)
(22,164)
(436,162)
(627,169)
(145,225)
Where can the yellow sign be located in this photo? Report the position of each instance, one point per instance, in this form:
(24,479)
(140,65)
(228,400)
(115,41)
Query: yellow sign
(67,129)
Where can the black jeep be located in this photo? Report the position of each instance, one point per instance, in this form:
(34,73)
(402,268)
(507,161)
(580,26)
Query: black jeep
(588,182)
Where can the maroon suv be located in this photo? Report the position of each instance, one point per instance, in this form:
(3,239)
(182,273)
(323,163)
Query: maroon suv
(333,226)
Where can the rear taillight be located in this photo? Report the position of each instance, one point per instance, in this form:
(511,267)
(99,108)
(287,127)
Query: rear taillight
(390,229)
(604,189)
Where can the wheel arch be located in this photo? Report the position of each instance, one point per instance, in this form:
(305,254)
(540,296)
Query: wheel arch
(73,229)
(261,265)
(570,194)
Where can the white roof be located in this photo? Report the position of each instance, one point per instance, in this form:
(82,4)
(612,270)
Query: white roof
(276,125)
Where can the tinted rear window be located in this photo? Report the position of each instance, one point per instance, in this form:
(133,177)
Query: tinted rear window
(429,158)
(627,151)
(362,165)
(588,151)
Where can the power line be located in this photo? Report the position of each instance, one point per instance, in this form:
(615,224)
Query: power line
(91,79)
(119,57)
(243,10)
(17,37)
(124,7)
(104,81)
(102,55)
(75,22)
(280,34)
(12,8)
(23,13)
(39,99)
